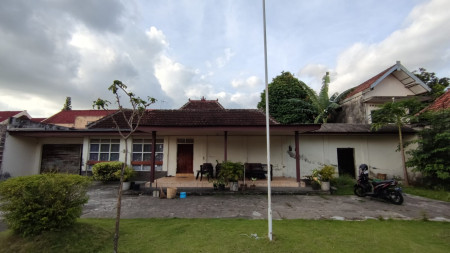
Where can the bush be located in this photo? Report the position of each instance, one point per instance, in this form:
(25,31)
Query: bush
(128,173)
(33,204)
(105,171)
(231,171)
(344,184)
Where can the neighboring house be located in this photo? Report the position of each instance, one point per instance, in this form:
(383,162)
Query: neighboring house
(200,131)
(394,83)
(441,103)
(4,120)
(76,118)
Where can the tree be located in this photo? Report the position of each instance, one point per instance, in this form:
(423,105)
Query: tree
(431,157)
(132,117)
(436,84)
(289,103)
(399,114)
(68,104)
(323,104)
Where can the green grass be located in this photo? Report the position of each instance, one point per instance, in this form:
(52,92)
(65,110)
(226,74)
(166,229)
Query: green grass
(234,235)
(344,185)
(428,193)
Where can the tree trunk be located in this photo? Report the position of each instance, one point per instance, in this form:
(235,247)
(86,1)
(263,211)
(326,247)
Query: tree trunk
(402,151)
(119,200)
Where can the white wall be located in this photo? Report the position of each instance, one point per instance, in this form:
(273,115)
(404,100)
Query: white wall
(21,156)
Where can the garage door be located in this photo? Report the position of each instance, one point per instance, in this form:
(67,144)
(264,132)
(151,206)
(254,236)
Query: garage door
(62,158)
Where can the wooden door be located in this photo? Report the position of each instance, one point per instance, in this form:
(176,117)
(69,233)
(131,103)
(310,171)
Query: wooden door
(62,158)
(185,158)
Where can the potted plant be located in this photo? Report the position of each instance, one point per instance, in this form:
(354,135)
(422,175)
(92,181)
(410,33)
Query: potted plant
(314,179)
(128,173)
(326,173)
(231,173)
(218,184)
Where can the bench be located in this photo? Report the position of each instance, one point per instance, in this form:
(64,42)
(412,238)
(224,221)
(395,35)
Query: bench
(257,170)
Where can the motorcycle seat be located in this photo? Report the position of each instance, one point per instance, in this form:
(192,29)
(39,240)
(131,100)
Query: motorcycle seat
(381,182)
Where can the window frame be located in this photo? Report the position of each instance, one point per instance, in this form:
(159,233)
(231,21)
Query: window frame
(145,165)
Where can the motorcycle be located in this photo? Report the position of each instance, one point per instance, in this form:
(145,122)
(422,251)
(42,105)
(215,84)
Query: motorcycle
(386,189)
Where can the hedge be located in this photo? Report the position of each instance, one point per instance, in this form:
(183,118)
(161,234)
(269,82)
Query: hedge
(32,204)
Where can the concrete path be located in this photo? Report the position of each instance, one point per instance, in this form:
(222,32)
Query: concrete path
(103,201)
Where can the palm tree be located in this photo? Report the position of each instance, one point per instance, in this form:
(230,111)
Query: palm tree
(398,114)
(324,104)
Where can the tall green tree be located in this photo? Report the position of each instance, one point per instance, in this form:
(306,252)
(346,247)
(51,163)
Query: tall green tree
(289,102)
(132,118)
(436,84)
(398,114)
(431,157)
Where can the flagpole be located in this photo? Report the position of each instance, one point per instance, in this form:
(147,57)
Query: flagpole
(269,190)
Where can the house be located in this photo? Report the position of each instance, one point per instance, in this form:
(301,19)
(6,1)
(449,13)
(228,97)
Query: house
(4,120)
(441,103)
(76,118)
(178,141)
(393,83)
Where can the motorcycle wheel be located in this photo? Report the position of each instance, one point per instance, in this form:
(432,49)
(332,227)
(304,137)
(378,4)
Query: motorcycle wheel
(396,197)
(359,191)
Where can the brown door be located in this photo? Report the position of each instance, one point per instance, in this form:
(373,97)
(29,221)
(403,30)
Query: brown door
(63,158)
(185,158)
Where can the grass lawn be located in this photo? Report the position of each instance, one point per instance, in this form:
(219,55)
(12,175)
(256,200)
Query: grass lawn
(234,235)
(432,194)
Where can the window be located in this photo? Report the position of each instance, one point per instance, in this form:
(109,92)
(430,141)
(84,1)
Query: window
(104,150)
(101,150)
(142,154)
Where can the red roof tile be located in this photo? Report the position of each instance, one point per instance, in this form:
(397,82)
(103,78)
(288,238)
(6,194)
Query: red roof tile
(441,103)
(68,117)
(366,85)
(202,104)
(193,118)
(7,114)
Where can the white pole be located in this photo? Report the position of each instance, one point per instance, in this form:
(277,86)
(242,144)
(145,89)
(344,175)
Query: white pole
(269,191)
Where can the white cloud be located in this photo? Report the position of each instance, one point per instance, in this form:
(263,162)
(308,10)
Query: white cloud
(223,60)
(250,82)
(423,42)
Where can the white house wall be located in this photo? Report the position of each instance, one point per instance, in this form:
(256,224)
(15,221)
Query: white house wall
(21,156)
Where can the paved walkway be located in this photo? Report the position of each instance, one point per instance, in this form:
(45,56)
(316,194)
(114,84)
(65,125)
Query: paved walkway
(103,200)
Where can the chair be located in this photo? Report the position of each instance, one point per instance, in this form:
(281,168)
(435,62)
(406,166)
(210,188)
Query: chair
(207,169)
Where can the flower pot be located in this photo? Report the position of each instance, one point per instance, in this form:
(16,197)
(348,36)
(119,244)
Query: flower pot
(325,186)
(126,186)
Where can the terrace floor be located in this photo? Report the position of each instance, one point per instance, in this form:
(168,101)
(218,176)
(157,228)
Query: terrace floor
(189,181)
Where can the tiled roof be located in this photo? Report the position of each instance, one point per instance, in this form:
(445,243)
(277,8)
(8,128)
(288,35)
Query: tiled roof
(38,120)
(68,117)
(366,85)
(202,104)
(4,115)
(441,103)
(193,118)
(345,128)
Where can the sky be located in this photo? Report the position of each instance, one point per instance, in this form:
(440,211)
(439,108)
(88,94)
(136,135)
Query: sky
(175,50)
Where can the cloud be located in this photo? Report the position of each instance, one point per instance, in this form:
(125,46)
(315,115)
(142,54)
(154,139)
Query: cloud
(423,42)
(250,82)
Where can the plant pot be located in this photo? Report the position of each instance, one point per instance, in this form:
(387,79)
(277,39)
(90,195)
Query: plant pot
(325,186)
(234,186)
(126,186)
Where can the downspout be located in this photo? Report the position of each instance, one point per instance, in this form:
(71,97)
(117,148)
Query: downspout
(225,158)
(297,156)
(152,174)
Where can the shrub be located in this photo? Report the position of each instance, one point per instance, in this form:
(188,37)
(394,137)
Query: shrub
(128,173)
(33,204)
(105,171)
(326,173)
(231,171)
